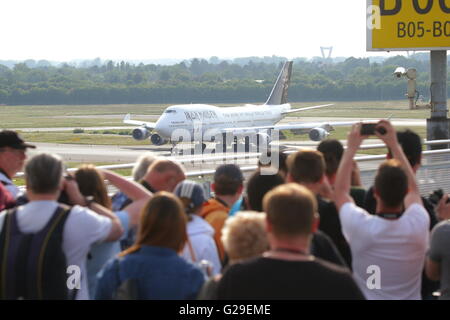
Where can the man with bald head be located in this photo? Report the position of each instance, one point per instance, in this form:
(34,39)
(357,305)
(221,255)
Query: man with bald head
(163,175)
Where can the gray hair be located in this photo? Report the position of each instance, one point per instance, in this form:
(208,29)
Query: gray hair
(142,165)
(44,173)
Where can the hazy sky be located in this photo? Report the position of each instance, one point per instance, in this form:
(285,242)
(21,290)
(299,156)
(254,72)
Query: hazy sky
(63,30)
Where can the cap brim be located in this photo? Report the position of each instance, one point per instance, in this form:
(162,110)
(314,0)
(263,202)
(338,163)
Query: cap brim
(23,146)
(27,145)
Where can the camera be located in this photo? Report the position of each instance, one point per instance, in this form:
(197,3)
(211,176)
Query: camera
(68,177)
(436,196)
(63,196)
(399,72)
(368,129)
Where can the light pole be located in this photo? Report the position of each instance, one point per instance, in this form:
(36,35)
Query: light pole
(438,124)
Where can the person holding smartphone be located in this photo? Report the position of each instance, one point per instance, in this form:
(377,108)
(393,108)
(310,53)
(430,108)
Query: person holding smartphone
(388,248)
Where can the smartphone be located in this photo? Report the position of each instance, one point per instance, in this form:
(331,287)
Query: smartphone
(368,129)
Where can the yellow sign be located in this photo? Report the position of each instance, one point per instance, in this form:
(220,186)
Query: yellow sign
(408,25)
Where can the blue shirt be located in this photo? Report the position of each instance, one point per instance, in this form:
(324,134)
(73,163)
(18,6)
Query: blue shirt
(101,253)
(160,273)
(237,206)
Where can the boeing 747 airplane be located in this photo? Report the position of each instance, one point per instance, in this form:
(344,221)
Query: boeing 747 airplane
(206,123)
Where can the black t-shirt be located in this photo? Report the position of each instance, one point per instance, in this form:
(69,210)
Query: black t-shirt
(268,278)
(323,247)
(331,226)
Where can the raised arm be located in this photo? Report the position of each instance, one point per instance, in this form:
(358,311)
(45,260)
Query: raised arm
(344,174)
(390,139)
(133,190)
(76,198)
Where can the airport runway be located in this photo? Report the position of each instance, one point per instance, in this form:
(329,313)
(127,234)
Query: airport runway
(98,153)
(128,154)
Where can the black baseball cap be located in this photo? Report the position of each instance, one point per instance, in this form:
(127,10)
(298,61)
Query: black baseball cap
(230,171)
(9,138)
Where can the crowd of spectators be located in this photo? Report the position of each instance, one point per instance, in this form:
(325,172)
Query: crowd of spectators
(308,230)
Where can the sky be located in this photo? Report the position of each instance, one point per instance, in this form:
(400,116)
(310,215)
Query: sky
(65,30)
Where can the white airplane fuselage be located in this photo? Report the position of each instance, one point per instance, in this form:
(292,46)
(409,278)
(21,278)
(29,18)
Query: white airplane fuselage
(207,120)
(203,122)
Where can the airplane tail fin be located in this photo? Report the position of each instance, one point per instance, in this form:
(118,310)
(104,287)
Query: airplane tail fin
(280,89)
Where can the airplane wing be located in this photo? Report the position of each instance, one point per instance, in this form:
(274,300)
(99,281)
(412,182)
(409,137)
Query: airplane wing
(307,108)
(298,128)
(311,125)
(147,125)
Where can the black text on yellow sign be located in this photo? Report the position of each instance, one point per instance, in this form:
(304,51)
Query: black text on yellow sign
(408,24)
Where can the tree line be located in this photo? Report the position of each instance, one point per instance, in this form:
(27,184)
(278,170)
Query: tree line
(202,81)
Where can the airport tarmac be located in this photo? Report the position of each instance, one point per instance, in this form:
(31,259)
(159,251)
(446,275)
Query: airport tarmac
(128,154)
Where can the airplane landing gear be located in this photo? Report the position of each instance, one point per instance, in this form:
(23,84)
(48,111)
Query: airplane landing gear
(247,144)
(174,149)
(200,147)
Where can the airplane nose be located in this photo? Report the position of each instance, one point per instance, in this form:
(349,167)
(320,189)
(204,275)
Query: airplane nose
(158,125)
(161,128)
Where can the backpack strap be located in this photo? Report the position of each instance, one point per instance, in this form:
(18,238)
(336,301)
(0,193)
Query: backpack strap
(5,240)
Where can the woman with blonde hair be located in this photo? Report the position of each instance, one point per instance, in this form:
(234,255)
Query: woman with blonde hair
(153,262)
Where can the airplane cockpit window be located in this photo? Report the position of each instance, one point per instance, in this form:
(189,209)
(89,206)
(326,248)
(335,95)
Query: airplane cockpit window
(170,111)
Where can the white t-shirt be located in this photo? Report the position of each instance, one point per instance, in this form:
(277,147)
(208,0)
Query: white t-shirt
(388,255)
(83,227)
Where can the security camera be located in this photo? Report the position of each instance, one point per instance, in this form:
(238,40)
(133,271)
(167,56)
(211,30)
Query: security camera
(399,72)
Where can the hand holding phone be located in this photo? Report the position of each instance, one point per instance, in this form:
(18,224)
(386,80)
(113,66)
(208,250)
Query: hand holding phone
(368,129)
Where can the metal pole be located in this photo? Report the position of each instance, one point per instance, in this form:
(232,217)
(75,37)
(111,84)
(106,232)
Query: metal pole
(438,124)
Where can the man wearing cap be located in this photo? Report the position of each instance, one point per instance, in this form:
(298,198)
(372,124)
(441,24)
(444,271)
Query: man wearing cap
(227,187)
(12,158)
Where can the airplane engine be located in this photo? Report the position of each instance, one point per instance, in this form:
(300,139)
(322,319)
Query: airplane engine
(318,134)
(157,140)
(140,134)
